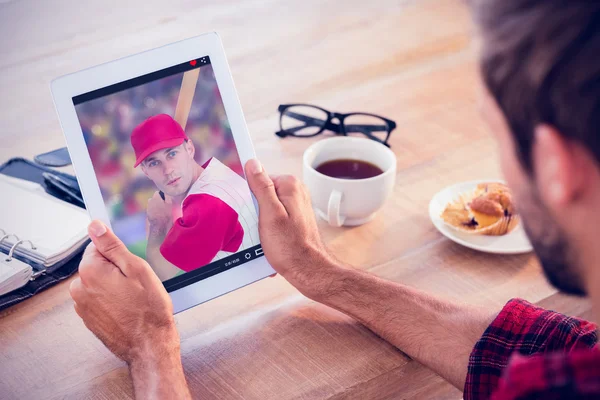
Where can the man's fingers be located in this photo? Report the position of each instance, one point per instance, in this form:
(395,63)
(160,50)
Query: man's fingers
(77,310)
(156,196)
(89,250)
(76,290)
(263,188)
(168,199)
(292,194)
(110,246)
(94,266)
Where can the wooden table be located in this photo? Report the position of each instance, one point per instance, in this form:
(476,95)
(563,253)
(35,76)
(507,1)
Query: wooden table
(411,61)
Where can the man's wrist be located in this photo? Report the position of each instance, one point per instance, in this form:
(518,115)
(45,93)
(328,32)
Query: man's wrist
(158,229)
(160,343)
(156,368)
(159,377)
(320,279)
(159,358)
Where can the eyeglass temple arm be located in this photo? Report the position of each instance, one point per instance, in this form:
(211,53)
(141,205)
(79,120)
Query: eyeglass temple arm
(366,128)
(311,121)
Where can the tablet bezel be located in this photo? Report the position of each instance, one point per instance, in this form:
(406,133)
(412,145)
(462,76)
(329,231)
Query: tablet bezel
(69,86)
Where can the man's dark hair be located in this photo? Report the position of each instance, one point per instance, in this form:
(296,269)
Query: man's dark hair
(541,62)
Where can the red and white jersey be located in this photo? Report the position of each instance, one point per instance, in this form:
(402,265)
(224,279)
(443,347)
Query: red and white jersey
(218,219)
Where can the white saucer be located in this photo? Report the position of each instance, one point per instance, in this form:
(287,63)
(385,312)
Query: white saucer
(515,242)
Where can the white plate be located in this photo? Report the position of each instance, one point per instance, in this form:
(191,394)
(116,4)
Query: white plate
(516,242)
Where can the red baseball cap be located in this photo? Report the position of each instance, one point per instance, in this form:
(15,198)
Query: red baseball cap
(157,132)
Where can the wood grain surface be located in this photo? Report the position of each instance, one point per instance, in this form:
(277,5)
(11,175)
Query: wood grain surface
(412,61)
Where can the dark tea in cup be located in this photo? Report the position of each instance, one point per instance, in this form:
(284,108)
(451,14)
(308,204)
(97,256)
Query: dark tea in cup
(349,169)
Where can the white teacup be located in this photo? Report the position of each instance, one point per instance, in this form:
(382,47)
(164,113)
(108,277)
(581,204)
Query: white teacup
(348,202)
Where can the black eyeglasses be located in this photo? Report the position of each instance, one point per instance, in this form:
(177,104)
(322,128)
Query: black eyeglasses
(305,120)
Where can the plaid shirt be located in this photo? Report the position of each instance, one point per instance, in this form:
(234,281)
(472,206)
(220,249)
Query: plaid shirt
(532,353)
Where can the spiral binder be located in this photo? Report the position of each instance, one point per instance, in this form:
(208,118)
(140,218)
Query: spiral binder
(41,236)
(11,253)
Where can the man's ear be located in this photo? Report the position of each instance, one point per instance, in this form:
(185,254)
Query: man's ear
(561,167)
(144,169)
(189,147)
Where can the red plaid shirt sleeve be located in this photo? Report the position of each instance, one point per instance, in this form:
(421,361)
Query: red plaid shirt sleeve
(551,376)
(522,328)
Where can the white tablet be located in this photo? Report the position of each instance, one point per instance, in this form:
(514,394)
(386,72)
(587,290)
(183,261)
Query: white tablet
(158,141)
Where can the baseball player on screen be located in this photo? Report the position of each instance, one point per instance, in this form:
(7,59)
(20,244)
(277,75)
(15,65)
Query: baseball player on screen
(207,212)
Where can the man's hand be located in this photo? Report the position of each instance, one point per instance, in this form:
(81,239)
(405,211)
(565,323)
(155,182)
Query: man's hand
(125,305)
(160,214)
(288,232)
(435,332)
(121,300)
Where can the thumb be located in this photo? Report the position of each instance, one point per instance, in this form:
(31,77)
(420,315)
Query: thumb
(110,246)
(263,188)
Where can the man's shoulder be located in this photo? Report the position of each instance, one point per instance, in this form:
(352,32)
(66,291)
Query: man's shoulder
(557,375)
(526,329)
(217,176)
(215,169)
(214,163)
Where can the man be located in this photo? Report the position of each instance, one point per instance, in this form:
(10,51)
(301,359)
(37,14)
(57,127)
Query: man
(542,101)
(207,212)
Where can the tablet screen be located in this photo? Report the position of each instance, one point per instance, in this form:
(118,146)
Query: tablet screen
(169,172)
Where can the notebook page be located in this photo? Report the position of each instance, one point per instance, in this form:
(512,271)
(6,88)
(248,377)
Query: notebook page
(32,214)
(13,274)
